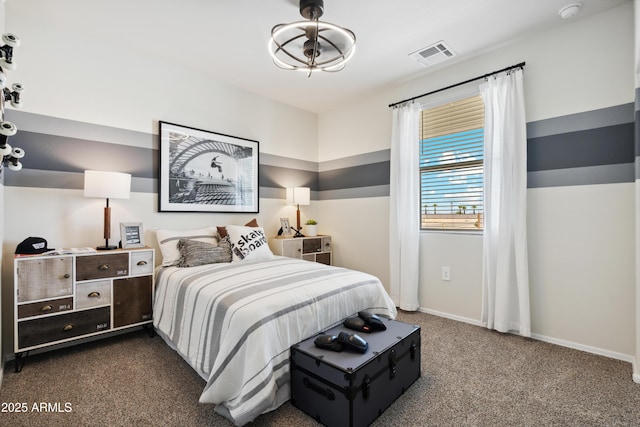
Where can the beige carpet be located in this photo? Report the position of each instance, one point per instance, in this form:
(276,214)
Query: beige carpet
(470,377)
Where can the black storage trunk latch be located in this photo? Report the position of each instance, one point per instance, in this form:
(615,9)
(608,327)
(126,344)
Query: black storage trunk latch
(326,392)
(392,363)
(366,387)
(413,350)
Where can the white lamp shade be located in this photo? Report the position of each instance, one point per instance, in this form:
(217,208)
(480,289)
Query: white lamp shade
(107,185)
(298,196)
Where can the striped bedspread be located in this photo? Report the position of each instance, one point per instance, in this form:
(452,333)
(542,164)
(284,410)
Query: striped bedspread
(234,323)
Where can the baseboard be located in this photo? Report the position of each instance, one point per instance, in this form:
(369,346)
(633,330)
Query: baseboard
(450,316)
(563,343)
(587,348)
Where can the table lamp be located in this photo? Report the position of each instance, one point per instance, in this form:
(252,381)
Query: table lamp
(107,185)
(298,196)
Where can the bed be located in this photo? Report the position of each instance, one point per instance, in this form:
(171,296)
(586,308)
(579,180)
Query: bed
(234,322)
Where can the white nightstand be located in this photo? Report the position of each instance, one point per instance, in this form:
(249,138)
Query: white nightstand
(316,248)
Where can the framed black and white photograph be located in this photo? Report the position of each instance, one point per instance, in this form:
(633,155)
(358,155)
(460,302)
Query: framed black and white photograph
(286,228)
(204,171)
(131,235)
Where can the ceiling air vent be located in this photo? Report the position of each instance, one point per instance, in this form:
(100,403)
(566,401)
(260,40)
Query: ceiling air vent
(433,54)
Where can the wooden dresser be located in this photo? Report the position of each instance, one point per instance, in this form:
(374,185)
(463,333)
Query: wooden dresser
(61,298)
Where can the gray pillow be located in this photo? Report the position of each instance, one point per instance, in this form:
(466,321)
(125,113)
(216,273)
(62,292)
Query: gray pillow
(193,252)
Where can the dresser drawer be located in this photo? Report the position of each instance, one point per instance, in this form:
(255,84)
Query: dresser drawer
(102,266)
(132,301)
(141,262)
(54,328)
(44,278)
(92,294)
(45,307)
(311,245)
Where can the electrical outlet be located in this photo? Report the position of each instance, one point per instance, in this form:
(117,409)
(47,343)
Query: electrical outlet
(446,273)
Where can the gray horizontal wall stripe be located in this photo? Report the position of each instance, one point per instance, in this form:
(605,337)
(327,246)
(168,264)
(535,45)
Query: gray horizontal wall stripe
(593,147)
(279,177)
(636,135)
(611,116)
(73,129)
(355,193)
(355,177)
(590,175)
(45,179)
(360,159)
(75,181)
(61,153)
(287,163)
(68,180)
(578,149)
(272,193)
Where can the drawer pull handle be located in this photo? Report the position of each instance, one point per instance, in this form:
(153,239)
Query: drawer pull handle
(143,262)
(103,267)
(46,308)
(67,327)
(66,276)
(94,295)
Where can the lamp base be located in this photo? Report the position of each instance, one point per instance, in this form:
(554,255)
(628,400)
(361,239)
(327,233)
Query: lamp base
(106,248)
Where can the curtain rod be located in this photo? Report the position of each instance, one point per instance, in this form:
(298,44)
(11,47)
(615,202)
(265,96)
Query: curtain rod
(520,65)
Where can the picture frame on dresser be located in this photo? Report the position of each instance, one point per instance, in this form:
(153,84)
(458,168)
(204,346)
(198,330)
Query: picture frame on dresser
(286,228)
(131,235)
(205,171)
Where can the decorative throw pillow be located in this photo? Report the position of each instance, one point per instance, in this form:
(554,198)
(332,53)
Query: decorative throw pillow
(168,241)
(222,231)
(248,243)
(194,253)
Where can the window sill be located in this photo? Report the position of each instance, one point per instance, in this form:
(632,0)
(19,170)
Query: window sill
(451,231)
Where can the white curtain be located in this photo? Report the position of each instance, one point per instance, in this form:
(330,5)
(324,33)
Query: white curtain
(404,215)
(505,304)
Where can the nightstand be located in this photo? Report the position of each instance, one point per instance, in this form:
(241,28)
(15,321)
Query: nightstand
(316,248)
(61,298)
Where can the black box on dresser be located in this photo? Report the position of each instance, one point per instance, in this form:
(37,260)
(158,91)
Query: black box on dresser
(348,388)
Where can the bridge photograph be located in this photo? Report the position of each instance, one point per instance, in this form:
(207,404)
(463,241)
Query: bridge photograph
(207,171)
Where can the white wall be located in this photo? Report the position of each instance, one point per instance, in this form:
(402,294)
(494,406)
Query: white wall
(569,70)
(2,26)
(72,77)
(581,266)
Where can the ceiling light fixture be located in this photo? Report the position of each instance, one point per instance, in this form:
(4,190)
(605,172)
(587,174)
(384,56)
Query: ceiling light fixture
(311,45)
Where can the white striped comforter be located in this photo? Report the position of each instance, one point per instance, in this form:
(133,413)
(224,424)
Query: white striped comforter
(234,323)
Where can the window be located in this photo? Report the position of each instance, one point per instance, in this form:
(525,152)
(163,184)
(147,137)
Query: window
(451,170)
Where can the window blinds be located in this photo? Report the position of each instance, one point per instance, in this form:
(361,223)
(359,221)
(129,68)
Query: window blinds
(451,171)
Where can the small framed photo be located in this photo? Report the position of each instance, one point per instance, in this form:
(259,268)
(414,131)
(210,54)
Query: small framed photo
(286,228)
(131,235)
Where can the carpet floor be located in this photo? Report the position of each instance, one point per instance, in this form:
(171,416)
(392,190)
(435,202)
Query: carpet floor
(470,377)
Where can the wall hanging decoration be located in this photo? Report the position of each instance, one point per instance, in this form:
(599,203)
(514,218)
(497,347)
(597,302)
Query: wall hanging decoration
(9,156)
(203,171)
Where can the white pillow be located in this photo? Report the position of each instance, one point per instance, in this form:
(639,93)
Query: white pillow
(168,241)
(248,243)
